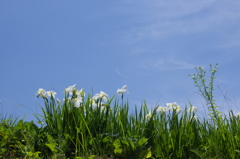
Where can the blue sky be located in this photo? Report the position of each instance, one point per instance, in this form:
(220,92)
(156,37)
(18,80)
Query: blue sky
(151,46)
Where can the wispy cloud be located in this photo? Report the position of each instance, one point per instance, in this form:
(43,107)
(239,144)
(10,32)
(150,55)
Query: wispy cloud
(160,18)
(231,40)
(165,64)
(120,74)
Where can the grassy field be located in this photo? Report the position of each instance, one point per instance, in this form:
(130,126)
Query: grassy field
(98,126)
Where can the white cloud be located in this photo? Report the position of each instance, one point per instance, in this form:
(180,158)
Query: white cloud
(120,74)
(165,64)
(232,40)
(160,18)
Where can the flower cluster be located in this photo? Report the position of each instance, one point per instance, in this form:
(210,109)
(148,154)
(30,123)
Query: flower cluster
(70,89)
(45,94)
(169,107)
(161,109)
(100,96)
(98,99)
(75,96)
(172,107)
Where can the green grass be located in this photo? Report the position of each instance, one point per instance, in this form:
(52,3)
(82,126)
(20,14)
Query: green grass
(101,127)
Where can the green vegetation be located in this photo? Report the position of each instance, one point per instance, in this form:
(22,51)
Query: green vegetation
(99,127)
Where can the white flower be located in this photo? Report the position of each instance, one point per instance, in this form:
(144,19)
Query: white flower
(77,101)
(95,97)
(169,107)
(41,92)
(70,89)
(149,115)
(51,93)
(94,104)
(81,92)
(192,109)
(101,95)
(178,109)
(161,109)
(173,107)
(237,115)
(122,90)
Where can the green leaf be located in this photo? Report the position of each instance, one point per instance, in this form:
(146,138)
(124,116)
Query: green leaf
(131,144)
(142,141)
(30,154)
(50,139)
(92,157)
(51,146)
(51,143)
(106,139)
(117,144)
(146,153)
(119,152)
(3,150)
(40,122)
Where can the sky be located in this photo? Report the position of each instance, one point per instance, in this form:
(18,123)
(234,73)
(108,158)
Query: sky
(150,46)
